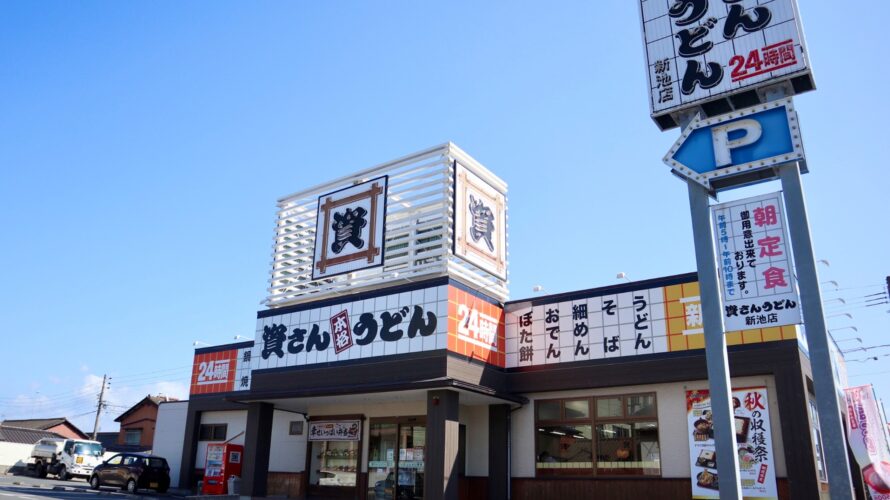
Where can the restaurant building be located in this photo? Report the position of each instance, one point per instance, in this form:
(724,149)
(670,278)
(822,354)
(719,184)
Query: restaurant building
(389,363)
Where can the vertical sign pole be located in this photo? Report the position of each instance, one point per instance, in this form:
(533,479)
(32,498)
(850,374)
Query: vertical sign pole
(841,487)
(715,344)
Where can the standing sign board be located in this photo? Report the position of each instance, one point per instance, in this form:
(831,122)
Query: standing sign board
(699,51)
(868,441)
(753,256)
(349,229)
(757,466)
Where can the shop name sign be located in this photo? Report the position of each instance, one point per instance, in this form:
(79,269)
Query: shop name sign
(341,430)
(756,138)
(758,286)
(702,50)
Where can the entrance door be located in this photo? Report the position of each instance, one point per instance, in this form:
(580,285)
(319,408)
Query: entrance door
(396,461)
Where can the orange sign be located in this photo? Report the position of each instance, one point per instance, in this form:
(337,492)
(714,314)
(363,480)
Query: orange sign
(214,372)
(476,327)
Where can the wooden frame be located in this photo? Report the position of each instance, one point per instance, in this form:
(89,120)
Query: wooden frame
(593,420)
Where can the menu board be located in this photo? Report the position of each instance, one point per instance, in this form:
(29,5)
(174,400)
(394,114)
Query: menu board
(757,467)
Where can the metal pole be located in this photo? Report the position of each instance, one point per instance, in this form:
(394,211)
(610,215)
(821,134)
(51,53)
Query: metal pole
(841,487)
(715,345)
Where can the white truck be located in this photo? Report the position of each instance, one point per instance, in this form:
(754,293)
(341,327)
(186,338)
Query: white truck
(65,458)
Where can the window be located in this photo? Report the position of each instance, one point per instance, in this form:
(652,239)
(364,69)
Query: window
(133,436)
(116,460)
(213,432)
(296,428)
(608,436)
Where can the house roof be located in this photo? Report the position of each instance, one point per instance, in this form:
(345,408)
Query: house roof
(147,400)
(23,435)
(43,424)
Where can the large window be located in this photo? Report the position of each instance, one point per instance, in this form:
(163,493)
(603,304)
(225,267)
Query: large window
(609,436)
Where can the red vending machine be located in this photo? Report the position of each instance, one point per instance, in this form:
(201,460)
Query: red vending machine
(223,461)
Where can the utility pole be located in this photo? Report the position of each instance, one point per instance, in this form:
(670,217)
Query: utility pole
(99,406)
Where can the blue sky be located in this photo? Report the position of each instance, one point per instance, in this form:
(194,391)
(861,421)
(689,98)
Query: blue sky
(143,146)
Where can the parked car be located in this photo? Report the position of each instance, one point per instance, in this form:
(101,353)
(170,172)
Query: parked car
(132,471)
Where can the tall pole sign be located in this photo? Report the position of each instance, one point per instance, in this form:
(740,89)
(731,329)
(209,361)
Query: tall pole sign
(725,72)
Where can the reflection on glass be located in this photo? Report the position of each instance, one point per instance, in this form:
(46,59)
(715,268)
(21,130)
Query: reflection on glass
(641,406)
(333,463)
(628,448)
(608,407)
(579,408)
(564,447)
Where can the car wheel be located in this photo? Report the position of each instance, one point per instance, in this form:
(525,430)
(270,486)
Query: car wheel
(162,489)
(94,482)
(131,486)
(63,473)
(41,470)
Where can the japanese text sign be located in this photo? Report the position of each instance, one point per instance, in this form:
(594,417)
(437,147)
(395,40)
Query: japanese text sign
(701,50)
(757,467)
(341,430)
(867,440)
(754,263)
(605,323)
(443,317)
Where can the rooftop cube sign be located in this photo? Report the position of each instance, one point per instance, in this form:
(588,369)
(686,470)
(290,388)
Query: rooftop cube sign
(698,51)
(480,222)
(349,229)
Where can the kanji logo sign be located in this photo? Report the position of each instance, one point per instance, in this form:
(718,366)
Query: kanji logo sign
(480,222)
(350,228)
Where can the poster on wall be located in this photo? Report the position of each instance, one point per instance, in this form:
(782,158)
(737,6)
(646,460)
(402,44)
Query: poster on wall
(349,229)
(754,263)
(867,440)
(480,222)
(757,466)
(698,51)
(340,430)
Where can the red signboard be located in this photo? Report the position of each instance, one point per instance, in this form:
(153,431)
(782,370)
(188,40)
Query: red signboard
(214,372)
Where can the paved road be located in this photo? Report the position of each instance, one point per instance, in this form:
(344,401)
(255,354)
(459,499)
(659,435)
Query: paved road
(32,488)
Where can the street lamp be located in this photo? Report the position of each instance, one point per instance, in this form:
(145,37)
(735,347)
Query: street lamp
(622,276)
(198,343)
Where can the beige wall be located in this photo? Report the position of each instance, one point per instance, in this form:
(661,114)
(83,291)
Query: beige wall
(672,426)
(287,453)
(237,423)
(476,420)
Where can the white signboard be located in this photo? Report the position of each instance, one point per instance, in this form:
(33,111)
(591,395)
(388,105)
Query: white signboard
(607,326)
(701,50)
(757,466)
(480,222)
(396,323)
(867,440)
(339,430)
(349,229)
(754,262)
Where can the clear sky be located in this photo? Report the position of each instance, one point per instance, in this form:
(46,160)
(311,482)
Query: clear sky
(143,146)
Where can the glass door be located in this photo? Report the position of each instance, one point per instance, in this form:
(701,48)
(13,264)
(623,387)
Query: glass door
(412,448)
(382,452)
(396,458)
